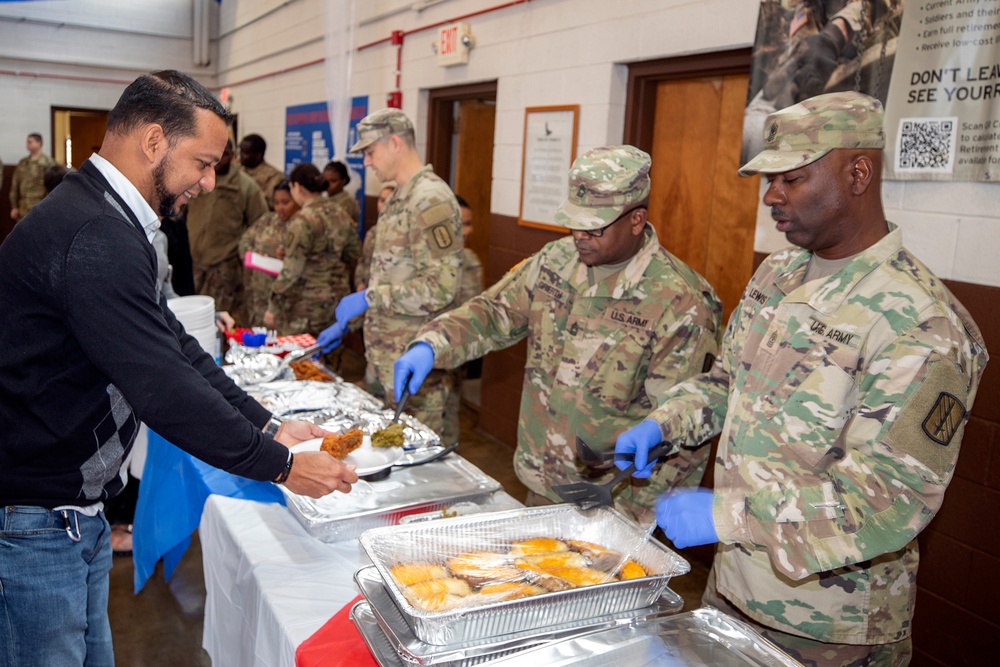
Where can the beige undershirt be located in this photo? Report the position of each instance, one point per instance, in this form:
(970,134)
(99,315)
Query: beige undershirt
(824,268)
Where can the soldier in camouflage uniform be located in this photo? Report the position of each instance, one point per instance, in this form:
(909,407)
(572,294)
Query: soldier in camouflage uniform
(416,266)
(842,389)
(612,321)
(266,236)
(216,221)
(337,176)
(27,187)
(267,177)
(320,243)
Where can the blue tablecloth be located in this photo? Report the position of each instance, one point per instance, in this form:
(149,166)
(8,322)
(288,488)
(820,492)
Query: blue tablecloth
(171,499)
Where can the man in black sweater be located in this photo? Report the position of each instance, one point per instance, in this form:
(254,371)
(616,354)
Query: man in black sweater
(89,349)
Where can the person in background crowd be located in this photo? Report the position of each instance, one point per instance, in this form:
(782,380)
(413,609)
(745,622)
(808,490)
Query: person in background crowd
(53,176)
(27,186)
(472,268)
(215,222)
(842,390)
(337,176)
(612,321)
(265,237)
(105,352)
(363,270)
(320,243)
(416,265)
(266,176)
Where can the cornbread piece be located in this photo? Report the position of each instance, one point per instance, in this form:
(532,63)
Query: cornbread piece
(483,567)
(339,446)
(631,570)
(406,574)
(390,436)
(537,545)
(549,561)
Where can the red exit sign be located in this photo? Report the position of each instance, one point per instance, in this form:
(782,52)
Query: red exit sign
(451,48)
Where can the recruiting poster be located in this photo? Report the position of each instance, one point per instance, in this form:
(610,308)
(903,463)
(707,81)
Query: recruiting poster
(308,138)
(307,135)
(940,94)
(943,111)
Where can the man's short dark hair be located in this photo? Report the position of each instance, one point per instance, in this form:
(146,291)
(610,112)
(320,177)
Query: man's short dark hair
(461,201)
(256,143)
(340,168)
(36,136)
(167,97)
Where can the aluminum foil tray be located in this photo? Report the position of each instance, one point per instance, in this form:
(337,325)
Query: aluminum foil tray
(422,488)
(338,406)
(436,541)
(704,637)
(413,651)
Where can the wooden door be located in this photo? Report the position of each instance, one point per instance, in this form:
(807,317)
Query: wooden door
(702,210)
(474,169)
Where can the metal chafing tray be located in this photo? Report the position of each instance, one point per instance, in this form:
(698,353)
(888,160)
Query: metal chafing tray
(411,650)
(422,488)
(703,637)
(436,541)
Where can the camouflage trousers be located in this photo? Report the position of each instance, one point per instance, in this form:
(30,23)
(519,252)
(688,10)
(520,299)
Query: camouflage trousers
(810,652)
(224,283)
(429,405)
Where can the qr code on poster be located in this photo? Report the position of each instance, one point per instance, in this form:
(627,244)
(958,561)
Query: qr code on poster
(926,144)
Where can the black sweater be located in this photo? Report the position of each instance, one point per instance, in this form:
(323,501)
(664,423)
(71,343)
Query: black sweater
(88,348)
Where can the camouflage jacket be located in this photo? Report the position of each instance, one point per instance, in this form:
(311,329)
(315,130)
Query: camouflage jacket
(844,402)
(416,266)
(600,357)
(363,270)
(267,178)
(216,220)
(349,203)
(26,185)
(472,276)
(265,236)
(320,242)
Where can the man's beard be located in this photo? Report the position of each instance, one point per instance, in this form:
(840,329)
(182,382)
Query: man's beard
(165,198)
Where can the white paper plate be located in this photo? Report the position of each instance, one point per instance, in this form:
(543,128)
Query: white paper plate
(368,459)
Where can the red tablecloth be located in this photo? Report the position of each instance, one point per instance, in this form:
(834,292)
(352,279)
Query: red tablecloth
(338,642)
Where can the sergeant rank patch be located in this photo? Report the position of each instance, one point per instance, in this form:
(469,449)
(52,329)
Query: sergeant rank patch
(944,419)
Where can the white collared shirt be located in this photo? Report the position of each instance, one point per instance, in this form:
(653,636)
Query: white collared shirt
(126,190)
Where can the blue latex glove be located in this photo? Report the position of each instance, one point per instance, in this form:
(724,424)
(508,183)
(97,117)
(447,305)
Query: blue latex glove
(685,515)
(411,369)
(350,307)
(637,441)
(330,337)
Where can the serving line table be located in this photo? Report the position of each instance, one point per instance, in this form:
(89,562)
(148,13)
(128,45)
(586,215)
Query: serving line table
(270,585)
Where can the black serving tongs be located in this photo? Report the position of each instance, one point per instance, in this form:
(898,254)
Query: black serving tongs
(588,496)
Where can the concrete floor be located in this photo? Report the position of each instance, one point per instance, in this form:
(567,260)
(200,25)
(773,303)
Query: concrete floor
(162,626)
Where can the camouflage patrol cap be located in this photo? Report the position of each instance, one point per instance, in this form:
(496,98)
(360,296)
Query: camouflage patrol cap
(803,133)
(380,124)
(604,183)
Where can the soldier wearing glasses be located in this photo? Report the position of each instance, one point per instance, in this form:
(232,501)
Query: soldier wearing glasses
(611,320)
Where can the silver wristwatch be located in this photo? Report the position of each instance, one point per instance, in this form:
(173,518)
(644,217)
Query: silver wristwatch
(272,426)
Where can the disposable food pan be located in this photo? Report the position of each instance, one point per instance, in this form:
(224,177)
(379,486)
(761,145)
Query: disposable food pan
(412,651)
(437,541)
(418,489)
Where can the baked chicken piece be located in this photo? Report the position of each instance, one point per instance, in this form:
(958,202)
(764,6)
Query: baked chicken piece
(600,557)
(437,594)
(339,446)
(553,560)
(631,570)
(507,590)
(483,567)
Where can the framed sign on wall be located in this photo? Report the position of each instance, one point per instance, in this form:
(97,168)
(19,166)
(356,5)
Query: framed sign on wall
(549,151)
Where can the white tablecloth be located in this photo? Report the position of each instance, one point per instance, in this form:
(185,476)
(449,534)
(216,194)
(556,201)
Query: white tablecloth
(270,584)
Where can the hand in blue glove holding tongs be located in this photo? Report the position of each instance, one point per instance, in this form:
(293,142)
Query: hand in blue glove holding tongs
(349,307)
(411,369)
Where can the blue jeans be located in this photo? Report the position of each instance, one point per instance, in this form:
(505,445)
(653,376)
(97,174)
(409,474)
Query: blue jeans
(54,590)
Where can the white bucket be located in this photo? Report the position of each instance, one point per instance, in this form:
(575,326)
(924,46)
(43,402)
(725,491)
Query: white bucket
(194,312)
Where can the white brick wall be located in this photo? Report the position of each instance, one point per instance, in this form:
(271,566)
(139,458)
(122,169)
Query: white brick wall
(543,52)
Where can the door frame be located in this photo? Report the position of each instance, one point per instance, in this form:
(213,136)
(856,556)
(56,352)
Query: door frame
(441,125)
(643,77)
